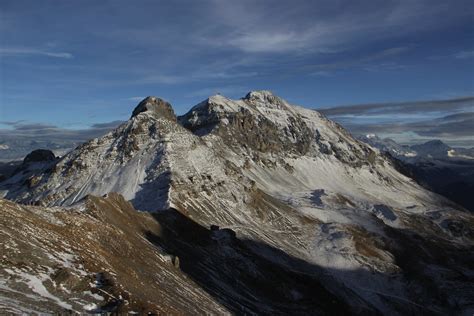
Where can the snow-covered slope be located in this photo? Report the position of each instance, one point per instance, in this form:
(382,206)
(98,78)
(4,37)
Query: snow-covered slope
(282,176)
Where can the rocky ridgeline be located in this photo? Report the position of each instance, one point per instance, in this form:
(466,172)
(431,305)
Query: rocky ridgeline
(244,128)
(267,123)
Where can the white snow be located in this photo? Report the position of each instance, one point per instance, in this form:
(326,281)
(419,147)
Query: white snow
(35,283)
(453,154)
(90,307)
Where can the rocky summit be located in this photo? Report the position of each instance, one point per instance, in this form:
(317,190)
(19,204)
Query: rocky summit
(39,155)
(248,206)
(155,106)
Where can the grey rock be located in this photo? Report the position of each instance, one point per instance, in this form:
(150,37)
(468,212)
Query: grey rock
(156,106)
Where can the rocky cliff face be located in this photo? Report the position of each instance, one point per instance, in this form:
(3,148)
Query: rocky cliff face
(294,187)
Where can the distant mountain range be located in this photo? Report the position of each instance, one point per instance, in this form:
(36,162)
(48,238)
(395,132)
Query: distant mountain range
(438,167)
(21,139)
(431,149)
(17,149)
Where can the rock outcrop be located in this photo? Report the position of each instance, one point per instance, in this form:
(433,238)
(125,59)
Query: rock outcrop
(155,106)
(39,155)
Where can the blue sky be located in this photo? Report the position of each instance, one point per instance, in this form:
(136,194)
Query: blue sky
(73,64)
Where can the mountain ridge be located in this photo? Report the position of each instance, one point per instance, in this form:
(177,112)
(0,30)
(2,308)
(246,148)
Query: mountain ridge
(275,173)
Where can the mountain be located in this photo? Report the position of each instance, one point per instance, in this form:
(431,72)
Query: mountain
(463,153)
(300,213)
(452,178)
(22,138)
(432,149)
(436,166)
(390,146)
(17,149)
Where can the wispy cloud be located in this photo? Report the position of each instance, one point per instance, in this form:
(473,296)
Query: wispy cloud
(454,130)
(223,69)
(163,79)
(387,66)
(368,61)
(322,73)
(22,137)
(412,122)
(12,123)
(135,99)
(270,42)
(53,133)
(437,106)
(317,26)
(16,51)
(464,54)
(224,90)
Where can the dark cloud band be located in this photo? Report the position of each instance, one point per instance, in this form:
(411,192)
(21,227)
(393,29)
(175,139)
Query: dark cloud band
(451,120)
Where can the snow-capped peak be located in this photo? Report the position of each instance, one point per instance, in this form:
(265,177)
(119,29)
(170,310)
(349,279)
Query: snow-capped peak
(259,94)
(155,106)
(216,98)
(371,136)
(265,98)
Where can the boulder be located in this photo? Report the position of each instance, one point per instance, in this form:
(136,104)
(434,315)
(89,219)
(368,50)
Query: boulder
(39,155)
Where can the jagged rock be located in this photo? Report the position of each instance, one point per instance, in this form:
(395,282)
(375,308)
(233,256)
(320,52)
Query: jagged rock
(155,106)
(265,97)
(39,155)
(242,123)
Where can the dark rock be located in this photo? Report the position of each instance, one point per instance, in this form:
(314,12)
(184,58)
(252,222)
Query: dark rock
(230,233)
(156,106)
(39,155)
